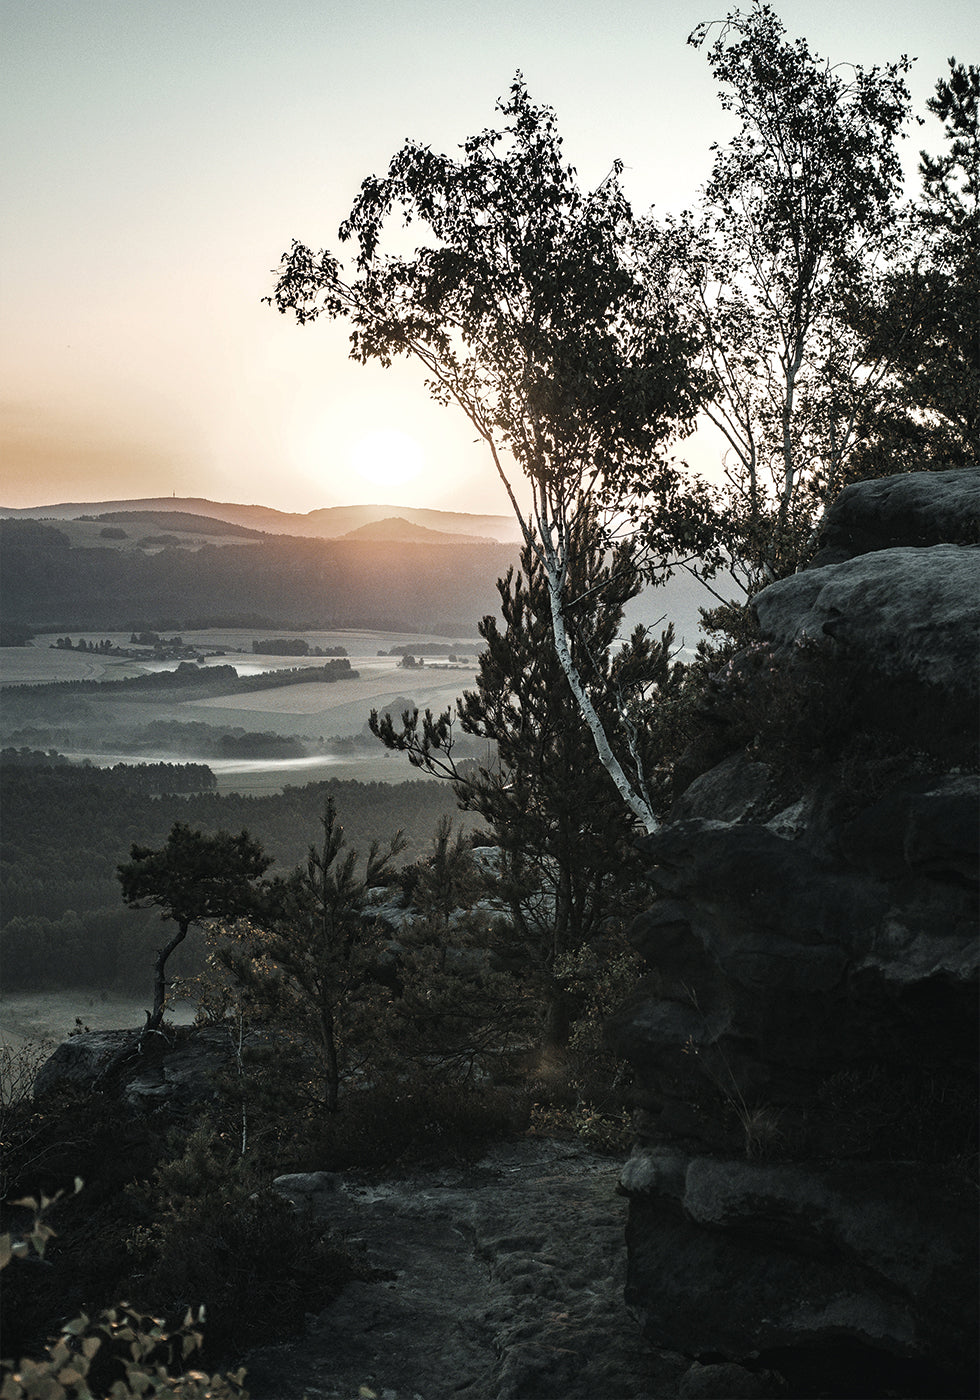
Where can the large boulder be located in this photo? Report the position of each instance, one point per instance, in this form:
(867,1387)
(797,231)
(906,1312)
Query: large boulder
(805,1044)
(907,622)
(916,508)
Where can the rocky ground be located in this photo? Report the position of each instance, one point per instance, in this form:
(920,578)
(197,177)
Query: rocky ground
(498,1281)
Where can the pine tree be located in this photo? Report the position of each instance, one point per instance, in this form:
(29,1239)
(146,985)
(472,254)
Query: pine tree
(567,840)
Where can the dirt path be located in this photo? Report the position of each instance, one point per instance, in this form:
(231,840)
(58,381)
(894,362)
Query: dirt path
(507,1283)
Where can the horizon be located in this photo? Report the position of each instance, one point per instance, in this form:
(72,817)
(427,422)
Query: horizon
(156,502)
(157,162)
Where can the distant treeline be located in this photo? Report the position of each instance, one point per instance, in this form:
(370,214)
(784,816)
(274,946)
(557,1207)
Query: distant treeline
(67,828)
(295,584)
(422,649)
(205,681)
(183,521)
(181,738)
(293,646)
(156,777)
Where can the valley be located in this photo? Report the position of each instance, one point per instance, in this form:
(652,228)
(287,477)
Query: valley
(110,726)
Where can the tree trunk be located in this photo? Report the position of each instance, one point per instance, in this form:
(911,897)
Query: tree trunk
(331,1066)
(557,1020)
(159,980)
(634,800)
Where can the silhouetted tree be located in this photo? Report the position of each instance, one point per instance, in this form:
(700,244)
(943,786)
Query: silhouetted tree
(569,861)
(192,877)
(927,318)
(537,310)
(304,960)
(798,218)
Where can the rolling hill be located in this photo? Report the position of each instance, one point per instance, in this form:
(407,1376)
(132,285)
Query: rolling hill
(179,563)
(327,523)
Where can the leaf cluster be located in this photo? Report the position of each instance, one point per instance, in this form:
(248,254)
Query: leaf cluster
(194,876)
(144,1348)
(534,306)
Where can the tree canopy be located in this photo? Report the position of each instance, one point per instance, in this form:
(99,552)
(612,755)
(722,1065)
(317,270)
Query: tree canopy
(192,877)
(796,222)
(926,317)
(539,310)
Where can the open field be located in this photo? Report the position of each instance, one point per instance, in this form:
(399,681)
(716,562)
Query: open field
(42,661)
(256,776)
(102,727)
(45,1018)
(33,665)
(340,708)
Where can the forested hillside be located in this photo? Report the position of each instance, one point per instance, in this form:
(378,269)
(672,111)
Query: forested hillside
(67,827)
(46,583)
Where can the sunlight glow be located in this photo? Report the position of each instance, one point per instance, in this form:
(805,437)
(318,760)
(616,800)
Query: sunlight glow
(387,457)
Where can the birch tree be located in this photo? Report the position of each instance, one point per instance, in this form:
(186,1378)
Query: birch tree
(798,222)
(927,319)
(538,310)
(568,863)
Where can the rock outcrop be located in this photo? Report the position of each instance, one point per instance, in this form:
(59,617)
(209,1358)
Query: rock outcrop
(805,1045)
(174,1069)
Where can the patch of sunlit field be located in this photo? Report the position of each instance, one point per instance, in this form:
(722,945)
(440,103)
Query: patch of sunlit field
(373,690)
(359,643)
(40,663)
(258,777)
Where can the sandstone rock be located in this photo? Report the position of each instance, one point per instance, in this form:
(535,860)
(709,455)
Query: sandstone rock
(85,1060)
(500,1280)
(734,790)
(907,626)
(315,1190)
(804,1048)
(172,1070)
(917,509)
(726,1382)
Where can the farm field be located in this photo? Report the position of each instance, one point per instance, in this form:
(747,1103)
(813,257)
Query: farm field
(258,776)
(96,725)
(44,1019)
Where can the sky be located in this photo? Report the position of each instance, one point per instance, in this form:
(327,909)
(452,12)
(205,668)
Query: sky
(158,158)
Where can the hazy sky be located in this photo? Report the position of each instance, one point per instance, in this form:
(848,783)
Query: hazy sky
(157,158)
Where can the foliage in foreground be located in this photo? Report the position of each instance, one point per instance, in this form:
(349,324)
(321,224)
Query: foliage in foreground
(143,1348)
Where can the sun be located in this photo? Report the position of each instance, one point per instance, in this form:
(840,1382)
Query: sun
(387,457)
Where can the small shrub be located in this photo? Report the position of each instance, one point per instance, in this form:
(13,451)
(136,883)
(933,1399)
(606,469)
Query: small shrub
(221,1238)
(139,1348)
(407,1122)
(18,1070)
(603,1131)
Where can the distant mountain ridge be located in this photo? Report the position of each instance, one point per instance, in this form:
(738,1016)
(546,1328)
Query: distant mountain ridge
(398,528)
(326,523)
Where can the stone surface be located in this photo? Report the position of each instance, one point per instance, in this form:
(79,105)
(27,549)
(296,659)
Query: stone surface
(172,1069)
(907,622)
(805,1044)
(496,1282)
(915,508)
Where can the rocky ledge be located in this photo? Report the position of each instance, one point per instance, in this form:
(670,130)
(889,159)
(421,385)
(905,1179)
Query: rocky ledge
(801,1196)
(498,1281)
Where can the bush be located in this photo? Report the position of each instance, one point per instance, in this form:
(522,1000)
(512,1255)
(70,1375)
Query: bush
(402,1122)
(221,1238)
(140,1349)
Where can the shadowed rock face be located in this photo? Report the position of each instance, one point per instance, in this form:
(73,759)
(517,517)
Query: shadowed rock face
(175,1069)
(907,622)
(805,1045)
